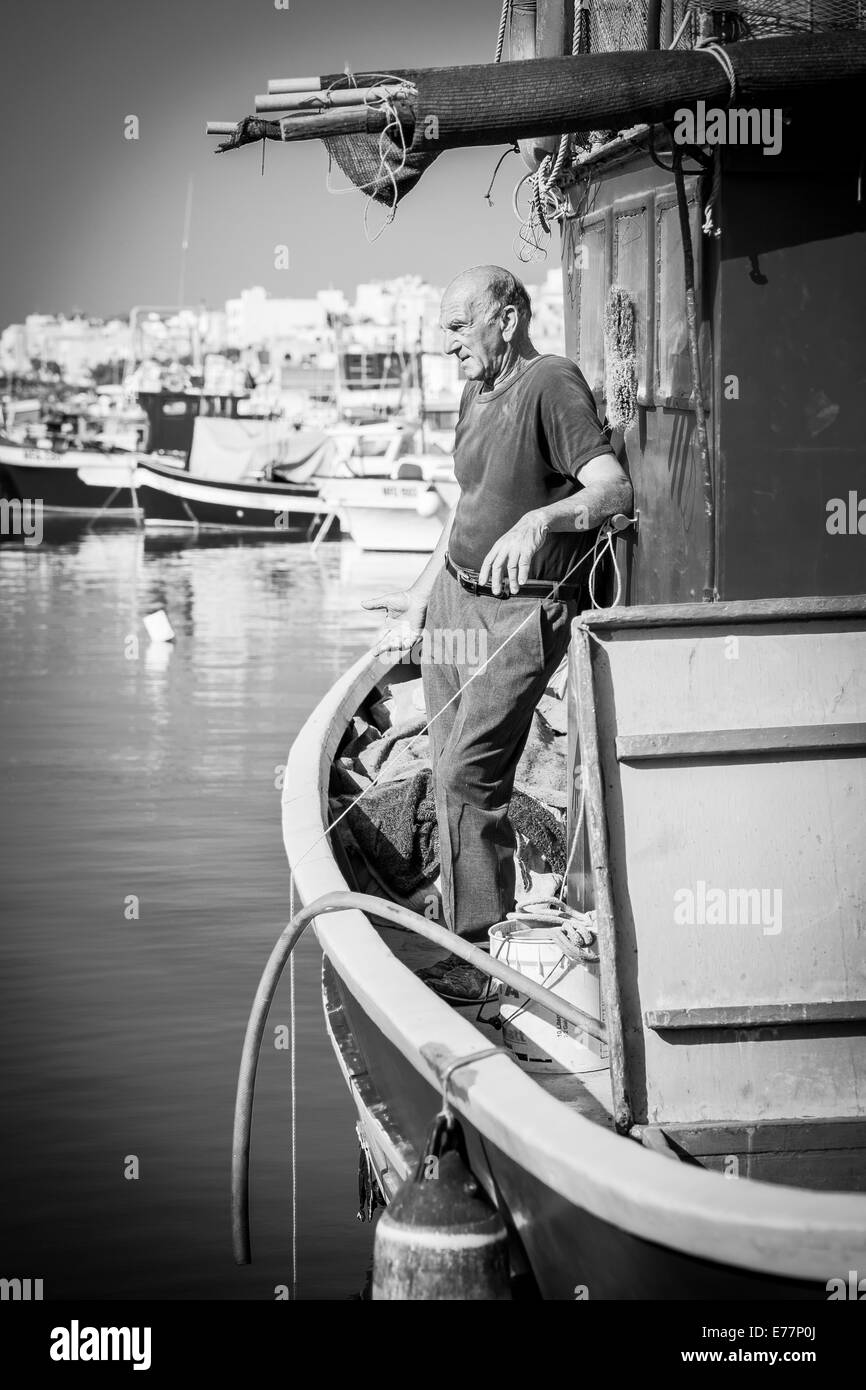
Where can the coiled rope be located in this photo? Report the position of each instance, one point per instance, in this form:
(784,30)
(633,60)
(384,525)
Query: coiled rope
(546,202)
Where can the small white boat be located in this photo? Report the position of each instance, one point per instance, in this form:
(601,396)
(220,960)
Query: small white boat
(405,512)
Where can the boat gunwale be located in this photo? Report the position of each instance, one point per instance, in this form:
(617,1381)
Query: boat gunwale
(770,1228)
(261,496)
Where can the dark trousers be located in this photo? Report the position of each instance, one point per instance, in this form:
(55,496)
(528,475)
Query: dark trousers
(477,739)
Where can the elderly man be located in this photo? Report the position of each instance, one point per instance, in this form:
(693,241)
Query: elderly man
(537,478)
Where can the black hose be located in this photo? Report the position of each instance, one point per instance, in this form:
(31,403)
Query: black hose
(400,916)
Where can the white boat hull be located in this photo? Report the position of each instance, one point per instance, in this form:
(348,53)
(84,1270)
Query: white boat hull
(588,1209)
(387,514)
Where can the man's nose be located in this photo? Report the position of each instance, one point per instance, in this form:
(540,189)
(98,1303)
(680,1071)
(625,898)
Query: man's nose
(450,341)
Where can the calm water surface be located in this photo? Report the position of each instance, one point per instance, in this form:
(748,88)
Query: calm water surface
(155,775)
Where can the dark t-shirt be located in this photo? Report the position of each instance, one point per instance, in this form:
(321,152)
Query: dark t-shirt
(520,447)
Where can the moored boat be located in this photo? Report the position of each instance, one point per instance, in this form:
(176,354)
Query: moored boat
(171,497)
(251,475)
(72,482)
(716,781)
(405,512)
(590,1212)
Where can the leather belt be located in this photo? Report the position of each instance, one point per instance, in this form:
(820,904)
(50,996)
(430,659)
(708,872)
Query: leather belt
(468,580)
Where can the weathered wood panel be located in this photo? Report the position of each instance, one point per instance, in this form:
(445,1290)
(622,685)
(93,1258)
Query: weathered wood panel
(738,881)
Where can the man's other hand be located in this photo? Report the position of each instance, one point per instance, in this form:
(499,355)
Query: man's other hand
(404,615)
(506,564)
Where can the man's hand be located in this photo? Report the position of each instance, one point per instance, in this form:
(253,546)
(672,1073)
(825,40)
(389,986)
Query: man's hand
(509,559)
(405,612)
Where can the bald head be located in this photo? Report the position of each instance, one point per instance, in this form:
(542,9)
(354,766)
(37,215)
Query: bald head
(485,319)
(488,289)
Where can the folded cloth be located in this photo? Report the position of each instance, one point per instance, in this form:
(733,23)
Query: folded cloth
(395,828)
(454,979)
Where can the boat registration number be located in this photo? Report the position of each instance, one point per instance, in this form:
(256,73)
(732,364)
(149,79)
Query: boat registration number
(399,490)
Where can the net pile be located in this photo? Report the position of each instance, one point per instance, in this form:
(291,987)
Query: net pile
(378,165)
(616,25)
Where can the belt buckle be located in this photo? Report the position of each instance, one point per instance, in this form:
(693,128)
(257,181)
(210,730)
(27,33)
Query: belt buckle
(470,585)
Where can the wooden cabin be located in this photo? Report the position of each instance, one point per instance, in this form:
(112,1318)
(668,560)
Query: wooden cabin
(719,746)
(781,297)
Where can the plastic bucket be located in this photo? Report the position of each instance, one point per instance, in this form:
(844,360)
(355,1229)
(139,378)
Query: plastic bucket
(538,1039)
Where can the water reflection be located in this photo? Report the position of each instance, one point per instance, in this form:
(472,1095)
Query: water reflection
(143,882)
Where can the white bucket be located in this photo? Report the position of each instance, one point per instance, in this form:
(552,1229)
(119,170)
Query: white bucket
(539,1040)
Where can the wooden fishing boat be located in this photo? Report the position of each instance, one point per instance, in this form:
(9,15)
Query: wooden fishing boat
(171,497)
(72,482)
(705,1135)
(591,1212)
(234,474)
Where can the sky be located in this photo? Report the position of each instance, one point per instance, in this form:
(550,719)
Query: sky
(92,222)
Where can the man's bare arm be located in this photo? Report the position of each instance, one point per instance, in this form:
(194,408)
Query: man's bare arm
(605,491)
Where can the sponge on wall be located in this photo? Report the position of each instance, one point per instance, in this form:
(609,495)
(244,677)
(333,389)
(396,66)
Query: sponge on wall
(620,358)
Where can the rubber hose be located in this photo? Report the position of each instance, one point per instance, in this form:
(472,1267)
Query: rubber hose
(400,916)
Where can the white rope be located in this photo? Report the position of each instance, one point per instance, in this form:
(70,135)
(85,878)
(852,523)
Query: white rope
(547,204)
(606,537)
(329,830)
(407,748)
(682,29)
(379,100)
(581,802)
(724,59)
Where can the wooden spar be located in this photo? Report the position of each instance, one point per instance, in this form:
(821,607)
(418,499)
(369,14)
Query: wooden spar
(280,85)
(294,84)
(489,104)
(351,120)
(762,610)
(354,120)
(317,101)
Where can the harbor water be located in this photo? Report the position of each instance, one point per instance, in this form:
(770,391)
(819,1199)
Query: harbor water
(143,882)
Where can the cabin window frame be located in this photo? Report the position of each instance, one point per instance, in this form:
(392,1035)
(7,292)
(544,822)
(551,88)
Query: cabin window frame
(588,226)
(640,205)
(666,202)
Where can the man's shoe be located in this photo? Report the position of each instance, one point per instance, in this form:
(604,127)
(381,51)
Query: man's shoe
(457,981)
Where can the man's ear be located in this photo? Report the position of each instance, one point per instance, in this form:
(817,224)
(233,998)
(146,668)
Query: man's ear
(510,320)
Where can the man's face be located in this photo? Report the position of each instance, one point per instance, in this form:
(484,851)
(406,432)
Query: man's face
(474,334)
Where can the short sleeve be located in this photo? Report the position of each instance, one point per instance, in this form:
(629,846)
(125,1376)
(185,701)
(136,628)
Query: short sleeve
(569,419)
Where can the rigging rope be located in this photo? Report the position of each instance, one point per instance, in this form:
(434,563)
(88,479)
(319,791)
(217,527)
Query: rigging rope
(391,137)
(605,536)
(503,25)
(547,203)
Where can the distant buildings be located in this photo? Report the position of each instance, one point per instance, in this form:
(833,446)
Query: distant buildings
(66,347)
(293,328)
(391,316)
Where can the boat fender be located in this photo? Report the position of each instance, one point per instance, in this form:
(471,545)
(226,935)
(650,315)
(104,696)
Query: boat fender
(427,503)
(441,1239)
